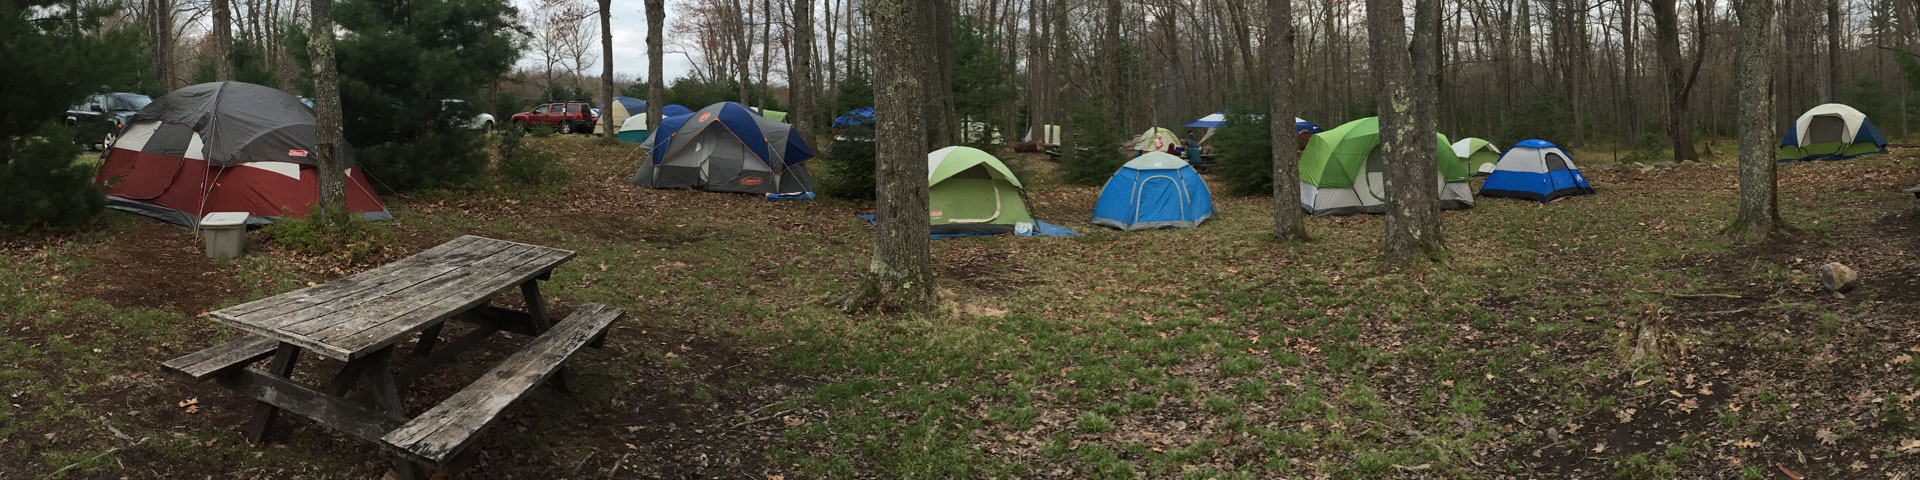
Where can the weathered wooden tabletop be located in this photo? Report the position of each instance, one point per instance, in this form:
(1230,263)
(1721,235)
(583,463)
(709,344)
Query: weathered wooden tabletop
(347,319)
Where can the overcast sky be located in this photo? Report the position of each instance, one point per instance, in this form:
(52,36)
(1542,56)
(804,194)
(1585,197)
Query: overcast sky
(629,42)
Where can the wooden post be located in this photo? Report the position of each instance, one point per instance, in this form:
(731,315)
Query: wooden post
(537,312)
(430,337)
(264,413)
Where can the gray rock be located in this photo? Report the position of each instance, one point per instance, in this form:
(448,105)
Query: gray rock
(1664,165)
(1838,278)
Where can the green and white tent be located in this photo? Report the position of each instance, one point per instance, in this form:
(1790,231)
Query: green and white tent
(970,191)
(1342,172)
(1480,155)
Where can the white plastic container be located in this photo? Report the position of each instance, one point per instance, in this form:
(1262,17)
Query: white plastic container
(225,233)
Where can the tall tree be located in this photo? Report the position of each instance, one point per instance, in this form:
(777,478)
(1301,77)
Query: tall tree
(656,91)
(1289,223)
(901,274)
(222,32)
(159,24)
(1402,87)
(326,108)
(1666,36)
(1833,51)
(1759,214)
(606,72)
(802,77)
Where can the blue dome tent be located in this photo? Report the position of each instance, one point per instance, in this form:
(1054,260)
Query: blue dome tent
(1219,119)
(1535,170)
(1154,190)
(726,147)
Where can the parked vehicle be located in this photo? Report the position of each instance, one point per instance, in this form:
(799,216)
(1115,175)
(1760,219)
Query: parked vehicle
(100,117)
(563,117)
(481,121)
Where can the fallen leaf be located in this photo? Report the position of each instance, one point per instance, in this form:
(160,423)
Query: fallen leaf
(1624,415)
(1826,436)
(1746,444)
(1909,444)
(776,477)
(1790,473)
(793,421)
(1859,465)
(1599,447)
(187,402)
(631,447)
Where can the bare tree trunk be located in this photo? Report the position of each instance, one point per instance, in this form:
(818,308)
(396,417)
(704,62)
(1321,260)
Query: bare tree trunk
(743,43)
(1833,51)
(606,73)
(656,91)
(1628,63)
(326,107)
(943,128)
(222,40)
(801,78)
(766,54)
(1759,214)
(901,274)
(1289,224)
(1666,26)
(160,41)
(1402,80)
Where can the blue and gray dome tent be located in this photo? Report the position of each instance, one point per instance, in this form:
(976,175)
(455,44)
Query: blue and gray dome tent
(726,148)
(1154,190)
(1535,170)
(1831,132)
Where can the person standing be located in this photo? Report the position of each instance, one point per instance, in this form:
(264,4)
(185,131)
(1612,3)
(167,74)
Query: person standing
(1193,148)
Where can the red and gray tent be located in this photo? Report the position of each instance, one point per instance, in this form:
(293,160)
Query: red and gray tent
(224,147)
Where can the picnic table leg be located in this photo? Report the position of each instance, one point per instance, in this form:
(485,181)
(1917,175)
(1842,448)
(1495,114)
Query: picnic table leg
(386,395)
(428,339)
(537,313)
(263,412)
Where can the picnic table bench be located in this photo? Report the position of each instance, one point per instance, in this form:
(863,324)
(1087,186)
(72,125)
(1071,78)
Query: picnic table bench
(360,318)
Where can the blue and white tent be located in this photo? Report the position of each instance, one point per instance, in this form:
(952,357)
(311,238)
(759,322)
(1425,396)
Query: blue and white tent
(1219,119)
(1154,190)
(1535,170)
(1831,132)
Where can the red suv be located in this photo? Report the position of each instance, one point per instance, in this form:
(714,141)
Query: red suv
(564,117)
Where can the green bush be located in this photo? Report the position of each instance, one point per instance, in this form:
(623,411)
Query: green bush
(1245,154)
(541,131)
(849,166)
(1095,154)
(332,232)
(434,159)
(524,165)
(42,186)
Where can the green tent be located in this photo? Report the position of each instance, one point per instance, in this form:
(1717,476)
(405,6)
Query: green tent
(970,191)
(1480,155)
(774,115)
(1341,172)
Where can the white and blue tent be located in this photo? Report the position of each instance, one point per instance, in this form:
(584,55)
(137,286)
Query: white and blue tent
(1831,132)
(1219,119)
(1535,170)
(1154,190)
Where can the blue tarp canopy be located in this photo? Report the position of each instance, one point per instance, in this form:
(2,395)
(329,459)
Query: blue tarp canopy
(859,116)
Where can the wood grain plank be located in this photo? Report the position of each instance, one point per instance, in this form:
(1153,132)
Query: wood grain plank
(449,300)
(213,360)
(320,316)
(333,412)
(373,286)
(445,430)
(347,283)
(368,315)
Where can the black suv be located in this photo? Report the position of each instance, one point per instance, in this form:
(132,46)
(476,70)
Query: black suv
(101,116)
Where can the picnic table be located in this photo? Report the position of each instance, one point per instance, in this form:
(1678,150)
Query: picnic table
(361,318)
